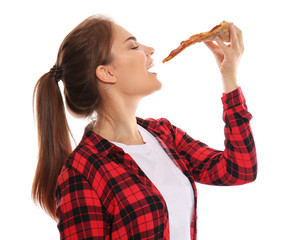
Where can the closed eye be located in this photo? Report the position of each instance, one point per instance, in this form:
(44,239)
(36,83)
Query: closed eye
(135,47)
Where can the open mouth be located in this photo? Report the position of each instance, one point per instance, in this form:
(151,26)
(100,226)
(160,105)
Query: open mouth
(150,65)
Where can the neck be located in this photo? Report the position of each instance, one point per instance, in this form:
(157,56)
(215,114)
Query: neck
(120,125)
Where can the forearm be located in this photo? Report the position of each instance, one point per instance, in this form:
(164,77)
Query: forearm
(240,151)
(236,165)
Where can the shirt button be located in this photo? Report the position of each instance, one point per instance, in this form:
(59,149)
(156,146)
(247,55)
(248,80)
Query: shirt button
(227,101)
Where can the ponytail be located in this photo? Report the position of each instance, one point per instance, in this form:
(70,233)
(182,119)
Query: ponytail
(53,138)
(87,46)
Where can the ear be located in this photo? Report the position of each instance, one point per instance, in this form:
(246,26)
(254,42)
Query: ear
(105,74)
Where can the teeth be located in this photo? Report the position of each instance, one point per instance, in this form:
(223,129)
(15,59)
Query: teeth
(150,66)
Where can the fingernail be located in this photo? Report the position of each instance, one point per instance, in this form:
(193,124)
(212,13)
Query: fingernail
(217,37)
(232,25)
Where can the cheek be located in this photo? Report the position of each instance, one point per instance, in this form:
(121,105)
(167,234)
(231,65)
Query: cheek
(131,65)
(131,72)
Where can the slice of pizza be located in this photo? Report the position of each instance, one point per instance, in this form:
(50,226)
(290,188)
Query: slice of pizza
(221,30)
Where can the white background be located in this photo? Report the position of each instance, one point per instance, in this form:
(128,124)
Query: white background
(31,32)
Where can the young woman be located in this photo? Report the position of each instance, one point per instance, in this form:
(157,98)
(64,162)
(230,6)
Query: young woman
(129,178)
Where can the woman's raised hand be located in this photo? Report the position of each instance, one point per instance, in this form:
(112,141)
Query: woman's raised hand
(228,57)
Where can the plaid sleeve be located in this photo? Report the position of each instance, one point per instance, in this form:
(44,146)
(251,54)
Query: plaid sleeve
(237,164)
(79,210)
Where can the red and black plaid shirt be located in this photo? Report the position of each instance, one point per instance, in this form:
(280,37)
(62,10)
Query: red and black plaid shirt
(103,194)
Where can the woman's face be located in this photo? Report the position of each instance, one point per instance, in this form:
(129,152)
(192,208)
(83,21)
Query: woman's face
(131,63)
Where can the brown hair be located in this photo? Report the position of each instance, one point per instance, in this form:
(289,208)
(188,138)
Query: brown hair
(87,46)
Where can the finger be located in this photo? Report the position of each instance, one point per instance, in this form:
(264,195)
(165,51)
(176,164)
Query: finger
(217,52)
(215,49)
(238,32)
(239,37)
(221,45)
(233,35)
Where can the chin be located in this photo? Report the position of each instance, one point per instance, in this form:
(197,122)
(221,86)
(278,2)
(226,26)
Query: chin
(160,85)
(157,86)
(153,89)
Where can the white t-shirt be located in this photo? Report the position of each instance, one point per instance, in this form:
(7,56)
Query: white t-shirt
(169,180)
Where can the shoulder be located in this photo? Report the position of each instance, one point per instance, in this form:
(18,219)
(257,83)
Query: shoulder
(67,178)
(161,127)
(85,161)
(162,124)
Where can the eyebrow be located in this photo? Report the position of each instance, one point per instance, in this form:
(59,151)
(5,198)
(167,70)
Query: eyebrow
(131,38)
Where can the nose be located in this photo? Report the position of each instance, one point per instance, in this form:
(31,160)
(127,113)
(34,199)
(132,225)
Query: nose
(149,51)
